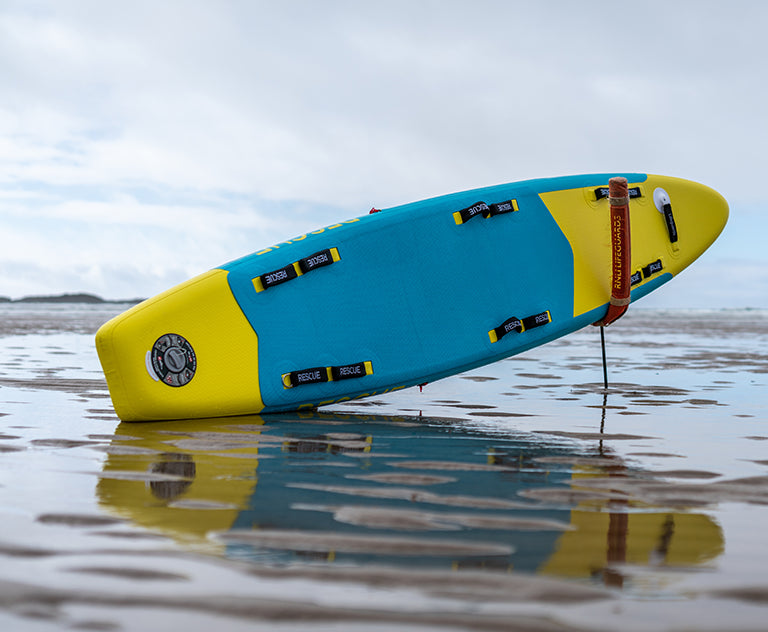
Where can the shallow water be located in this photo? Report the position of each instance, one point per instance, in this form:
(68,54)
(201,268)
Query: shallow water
(521,495)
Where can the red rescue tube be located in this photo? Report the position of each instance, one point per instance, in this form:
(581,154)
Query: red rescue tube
(618,197)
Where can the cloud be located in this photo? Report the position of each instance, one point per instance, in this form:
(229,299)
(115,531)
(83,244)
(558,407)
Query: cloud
(121,247)
(216,121)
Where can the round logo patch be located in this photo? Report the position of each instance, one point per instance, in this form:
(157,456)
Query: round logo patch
(173,360)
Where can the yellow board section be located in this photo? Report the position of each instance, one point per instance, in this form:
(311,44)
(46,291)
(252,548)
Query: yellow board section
(204,312)
(700,214)
(181,485)
(604,539)
(606,534)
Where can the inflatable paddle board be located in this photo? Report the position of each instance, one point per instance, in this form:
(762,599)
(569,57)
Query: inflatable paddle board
(404,296)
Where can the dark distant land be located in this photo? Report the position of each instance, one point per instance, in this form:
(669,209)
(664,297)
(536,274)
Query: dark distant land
(67,298)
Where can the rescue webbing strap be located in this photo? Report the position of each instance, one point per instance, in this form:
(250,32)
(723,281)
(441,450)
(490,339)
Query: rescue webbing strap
(499,208)
(646,272)
(519,325)
(297,268)
(276,277)
(620,252)
(318,260)
(486,210)
(603,192)
(466,214)
(652,268)
(319,374)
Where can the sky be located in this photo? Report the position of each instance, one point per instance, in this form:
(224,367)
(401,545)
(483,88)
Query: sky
(143,142)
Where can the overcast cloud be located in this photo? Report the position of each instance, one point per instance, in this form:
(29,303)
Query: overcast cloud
(144,142)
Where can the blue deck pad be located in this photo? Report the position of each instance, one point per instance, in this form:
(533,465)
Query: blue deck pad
(413,292)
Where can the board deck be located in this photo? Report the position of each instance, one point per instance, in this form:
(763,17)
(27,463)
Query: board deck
(388,300)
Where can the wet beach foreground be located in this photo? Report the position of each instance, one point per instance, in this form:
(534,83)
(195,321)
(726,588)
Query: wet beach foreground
(518,496)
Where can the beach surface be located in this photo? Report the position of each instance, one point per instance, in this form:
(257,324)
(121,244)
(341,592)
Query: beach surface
(518,496)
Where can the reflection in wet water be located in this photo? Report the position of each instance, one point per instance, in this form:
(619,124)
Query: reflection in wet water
(178,465)
(518,496)
(415,492)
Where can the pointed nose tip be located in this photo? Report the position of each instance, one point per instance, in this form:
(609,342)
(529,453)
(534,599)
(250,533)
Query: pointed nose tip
(712,217)
(721,211)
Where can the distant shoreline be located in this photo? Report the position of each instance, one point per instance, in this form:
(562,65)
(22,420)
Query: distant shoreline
(82,298)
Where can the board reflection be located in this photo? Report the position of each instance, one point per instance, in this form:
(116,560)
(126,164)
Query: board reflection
(401,491)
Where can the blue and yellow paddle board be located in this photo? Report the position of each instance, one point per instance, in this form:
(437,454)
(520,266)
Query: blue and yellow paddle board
(399,297)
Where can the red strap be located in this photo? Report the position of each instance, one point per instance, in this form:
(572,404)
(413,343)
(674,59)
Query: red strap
(618,196)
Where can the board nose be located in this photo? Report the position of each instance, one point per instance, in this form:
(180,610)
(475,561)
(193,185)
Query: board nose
(720,212)
(693,215)
(706,218)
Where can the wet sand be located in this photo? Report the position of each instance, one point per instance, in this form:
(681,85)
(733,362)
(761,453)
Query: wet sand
(519,496)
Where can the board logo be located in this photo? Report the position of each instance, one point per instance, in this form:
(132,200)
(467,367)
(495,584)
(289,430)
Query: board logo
(173,360)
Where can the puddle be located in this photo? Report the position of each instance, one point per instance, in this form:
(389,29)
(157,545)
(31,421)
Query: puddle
(524,495)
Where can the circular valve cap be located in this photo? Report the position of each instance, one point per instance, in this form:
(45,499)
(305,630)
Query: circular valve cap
(173,360)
